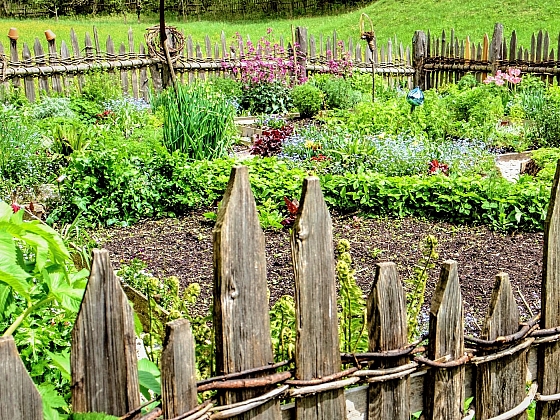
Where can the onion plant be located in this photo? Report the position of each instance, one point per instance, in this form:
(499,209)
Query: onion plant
(197,121)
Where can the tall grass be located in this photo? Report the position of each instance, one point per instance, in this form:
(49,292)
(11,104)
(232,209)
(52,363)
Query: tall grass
(197,121)
(390,18)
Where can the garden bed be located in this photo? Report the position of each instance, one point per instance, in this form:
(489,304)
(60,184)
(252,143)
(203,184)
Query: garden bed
(182,247)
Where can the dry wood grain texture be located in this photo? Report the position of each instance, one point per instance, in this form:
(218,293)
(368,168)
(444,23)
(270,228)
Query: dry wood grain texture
(29,83)
(387,328)
(420,54)
(14,60)
(103,358)
(53,61)
(133,71)
(41,61)
(123,72)
(241,319)
(178,373)
(444,390)
(77,54)
(144,82)
(317,342)
(68,79)
(500,384)
(19,399)
(549,354)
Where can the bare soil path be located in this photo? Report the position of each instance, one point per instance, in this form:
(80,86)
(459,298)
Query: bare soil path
(182,247)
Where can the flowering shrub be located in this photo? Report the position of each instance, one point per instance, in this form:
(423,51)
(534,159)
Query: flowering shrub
(265,62)
(342,66)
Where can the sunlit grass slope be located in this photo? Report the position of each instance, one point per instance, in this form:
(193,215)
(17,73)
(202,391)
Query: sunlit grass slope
(390,18)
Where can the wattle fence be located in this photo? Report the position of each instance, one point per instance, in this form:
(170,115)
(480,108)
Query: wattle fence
(428,62)
(392,380)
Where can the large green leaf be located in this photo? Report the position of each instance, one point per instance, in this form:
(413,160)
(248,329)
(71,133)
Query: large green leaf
(11,272)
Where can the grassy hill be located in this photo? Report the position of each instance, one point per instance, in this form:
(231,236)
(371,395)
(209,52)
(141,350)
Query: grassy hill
(390,18)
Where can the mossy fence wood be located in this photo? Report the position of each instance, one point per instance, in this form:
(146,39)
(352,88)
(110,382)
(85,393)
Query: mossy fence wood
(428,62)
(393,379)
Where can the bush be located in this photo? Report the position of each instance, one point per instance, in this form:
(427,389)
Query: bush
(307,99)
(266,98)
(338,91)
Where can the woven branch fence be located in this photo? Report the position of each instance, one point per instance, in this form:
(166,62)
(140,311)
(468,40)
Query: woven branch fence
(392,380)
(428,62)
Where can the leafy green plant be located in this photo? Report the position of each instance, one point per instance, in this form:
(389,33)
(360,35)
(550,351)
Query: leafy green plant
(307,99)
(49,107)
(352,315)
(164,293)
(338,91)
(70,136)
(417,285)
(283,328)
(197,122)
(267,98)
(40,294)
(24,161)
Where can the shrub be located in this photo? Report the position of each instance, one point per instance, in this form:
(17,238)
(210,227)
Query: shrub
(266,98)
(337,90)
(197,121)
(307,99)
(50,107)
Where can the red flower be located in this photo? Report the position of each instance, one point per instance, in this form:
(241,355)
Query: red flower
(15,207)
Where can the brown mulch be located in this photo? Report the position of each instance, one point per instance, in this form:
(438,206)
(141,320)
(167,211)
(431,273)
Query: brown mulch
(182,247)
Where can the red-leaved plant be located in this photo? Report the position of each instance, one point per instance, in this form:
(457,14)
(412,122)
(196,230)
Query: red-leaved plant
(435,167)
(269,143)
(293,207)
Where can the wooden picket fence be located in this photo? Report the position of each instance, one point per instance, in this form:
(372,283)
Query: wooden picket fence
(391,380)
(429,62)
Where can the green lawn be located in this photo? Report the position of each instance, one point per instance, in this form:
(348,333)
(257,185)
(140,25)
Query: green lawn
(390,18)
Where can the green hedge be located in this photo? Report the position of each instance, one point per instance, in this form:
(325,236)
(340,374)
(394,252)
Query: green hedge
(110,189)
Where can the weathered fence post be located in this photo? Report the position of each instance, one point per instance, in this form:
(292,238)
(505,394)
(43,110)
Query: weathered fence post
(500,384)
(39,62)
(103,358)
(241,317)
(13,35)
(496,53)
(53,59)
(549,353)
(301,52)
(28,81)
(19,399)
(388,331)
(444,389)
(317,342)
(178,374)
(420,54)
